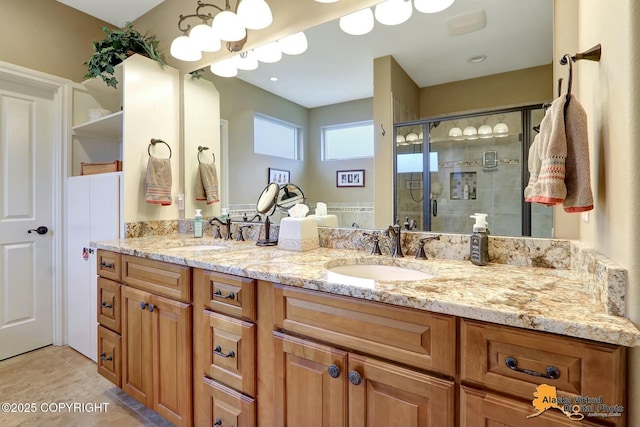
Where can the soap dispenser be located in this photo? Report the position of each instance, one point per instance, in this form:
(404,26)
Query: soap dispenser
(479,242)
(197,223)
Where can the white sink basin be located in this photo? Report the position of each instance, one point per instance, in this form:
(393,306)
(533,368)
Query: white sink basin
(367,274)
(197,248)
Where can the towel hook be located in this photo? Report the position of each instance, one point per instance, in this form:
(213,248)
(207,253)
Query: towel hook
(155,141)
(201,149)
(592,54)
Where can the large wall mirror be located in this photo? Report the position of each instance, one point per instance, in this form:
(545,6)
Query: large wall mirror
(475,56)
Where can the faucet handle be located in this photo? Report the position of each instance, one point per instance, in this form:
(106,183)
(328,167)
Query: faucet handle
(216,232)
(240,235)
(421,254)
(375,238)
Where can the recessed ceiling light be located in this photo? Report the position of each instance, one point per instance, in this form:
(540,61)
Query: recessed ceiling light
(273,79)
(477,59)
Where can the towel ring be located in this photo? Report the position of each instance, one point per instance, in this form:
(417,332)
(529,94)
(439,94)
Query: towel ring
(201,149)
(154,141)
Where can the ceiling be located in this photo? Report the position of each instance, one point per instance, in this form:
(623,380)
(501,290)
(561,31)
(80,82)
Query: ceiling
(338,67)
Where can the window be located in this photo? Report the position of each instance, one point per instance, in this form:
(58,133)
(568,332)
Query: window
(274,137)
(348,141)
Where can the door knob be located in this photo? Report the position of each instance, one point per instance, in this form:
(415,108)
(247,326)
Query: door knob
(40,230)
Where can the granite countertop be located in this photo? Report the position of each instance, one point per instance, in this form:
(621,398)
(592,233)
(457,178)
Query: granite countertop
(543,299)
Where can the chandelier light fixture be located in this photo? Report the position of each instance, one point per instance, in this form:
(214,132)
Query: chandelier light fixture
(226,24)
(389,12)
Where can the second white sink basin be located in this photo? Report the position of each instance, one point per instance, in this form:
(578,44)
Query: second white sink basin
(380,272)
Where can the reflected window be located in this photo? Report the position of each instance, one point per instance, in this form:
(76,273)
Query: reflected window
(274,137)
(348,141)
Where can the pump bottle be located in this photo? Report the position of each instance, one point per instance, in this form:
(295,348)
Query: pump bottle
(479,241)
(197,223)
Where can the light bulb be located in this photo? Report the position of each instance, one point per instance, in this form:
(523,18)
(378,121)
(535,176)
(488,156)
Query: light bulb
(225,68)
(456,133)
(393,12)
(432,6)
(485,131)
(184,49)
(500,130)
(470,132)
(255,14)
(357,23)
(228,27)
(246,61)
(268,53)
(203,36)
(294,44)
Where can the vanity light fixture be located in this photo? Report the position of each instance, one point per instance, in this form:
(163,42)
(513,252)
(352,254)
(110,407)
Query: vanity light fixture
(225,68)
(456,133)
(470,132)
(268,53)
(227,24)
(500,130)
(246,61)
(485,131)
(393,12)
(357,23)
(294,44)
(432,6)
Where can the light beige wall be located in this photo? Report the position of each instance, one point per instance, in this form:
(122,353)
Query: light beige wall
(406,95)
(383,122)
(520,87)
(610,93)
(248,171)
(322,174)
(47,36)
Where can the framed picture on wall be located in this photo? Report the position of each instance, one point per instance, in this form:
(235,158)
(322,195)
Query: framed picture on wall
(350,178)
(279,176)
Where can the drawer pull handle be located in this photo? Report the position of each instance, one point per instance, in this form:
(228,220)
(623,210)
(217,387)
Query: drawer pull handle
(334,371)
(143,305)
(218,351)
(355,378)
(218,294)
(105,265)
(105,305)
(218,423)
(103,356)
(552,373)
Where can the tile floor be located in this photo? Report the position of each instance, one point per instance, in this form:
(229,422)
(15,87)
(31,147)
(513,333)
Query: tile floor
(49,377)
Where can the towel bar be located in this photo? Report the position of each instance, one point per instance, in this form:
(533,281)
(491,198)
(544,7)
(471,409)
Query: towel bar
(155,141)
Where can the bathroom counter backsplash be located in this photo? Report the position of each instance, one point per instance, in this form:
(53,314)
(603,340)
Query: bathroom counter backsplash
(552,297)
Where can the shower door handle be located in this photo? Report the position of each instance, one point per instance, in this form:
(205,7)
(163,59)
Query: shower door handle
(434,207)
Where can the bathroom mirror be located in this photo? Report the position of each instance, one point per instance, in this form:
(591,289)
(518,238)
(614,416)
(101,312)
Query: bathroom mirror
(289,195)
(267,205)
(243,96)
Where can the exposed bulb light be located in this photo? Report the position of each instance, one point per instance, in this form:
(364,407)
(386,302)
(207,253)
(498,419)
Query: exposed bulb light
(470,132)
(456,133)
(294,44)
(254,14)
(184,49)
(500,130)
(432,6)
(485,131)
(246,61)
(227,26)
(393,12)
(411,137)
(204,38)
(268,53)
(357,23)
(225,68)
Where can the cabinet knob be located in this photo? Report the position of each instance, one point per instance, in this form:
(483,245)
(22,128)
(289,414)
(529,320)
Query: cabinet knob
(105,265)
(143,305)
(105,305)
(355,378)
(551,373)
(151,307)
(218,422)
(218,351)
(334,371)
(218,294)
(103,356)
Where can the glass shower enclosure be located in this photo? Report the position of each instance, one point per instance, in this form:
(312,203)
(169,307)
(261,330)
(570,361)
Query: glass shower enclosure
(449,168)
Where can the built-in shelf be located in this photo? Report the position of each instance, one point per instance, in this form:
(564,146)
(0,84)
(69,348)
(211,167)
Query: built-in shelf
(107,127)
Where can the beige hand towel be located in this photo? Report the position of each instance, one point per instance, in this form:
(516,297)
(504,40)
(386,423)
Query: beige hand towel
(549,189)
(207,183)
(578,178)
(158,182)
(533,164)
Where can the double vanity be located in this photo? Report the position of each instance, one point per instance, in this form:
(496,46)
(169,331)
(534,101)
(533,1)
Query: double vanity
(228,333)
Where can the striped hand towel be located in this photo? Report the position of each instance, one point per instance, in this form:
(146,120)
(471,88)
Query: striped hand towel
(158,182)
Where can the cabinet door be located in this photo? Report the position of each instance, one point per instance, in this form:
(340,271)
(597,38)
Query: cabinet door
(172,350)
(222,406)
(109,364)
(136,345)
(306,392)
(381,394)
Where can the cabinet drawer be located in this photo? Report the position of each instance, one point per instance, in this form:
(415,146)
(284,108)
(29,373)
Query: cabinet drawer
(109,304)
(109,363)
(481,408)
(225,293)
(582,367)
(109,265)
(223,406)
(413,337)
(170,280)
(229,351)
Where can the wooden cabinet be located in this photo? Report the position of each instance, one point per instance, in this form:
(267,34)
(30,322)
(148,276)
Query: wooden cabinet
(319,385)
(225,379)
(108,308)
(157,351)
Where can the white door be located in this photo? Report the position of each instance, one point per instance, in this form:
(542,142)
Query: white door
(26,187)
(93,207)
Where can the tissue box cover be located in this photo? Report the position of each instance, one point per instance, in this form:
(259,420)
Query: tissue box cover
(298,234)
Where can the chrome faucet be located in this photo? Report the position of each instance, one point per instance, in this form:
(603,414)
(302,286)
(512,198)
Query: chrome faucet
(226,223)
(395,231)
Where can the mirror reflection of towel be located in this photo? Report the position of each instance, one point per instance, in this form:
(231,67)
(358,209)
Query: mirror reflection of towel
(158,182)
(207,183)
